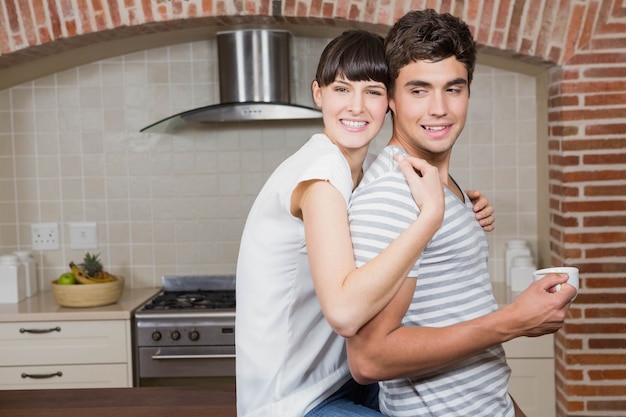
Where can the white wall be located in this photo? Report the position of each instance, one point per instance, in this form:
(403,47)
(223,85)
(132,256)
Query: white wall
(71,151)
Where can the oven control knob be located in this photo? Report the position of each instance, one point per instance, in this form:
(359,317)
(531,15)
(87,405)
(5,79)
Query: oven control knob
(175,335)
(194,335)
(156,336)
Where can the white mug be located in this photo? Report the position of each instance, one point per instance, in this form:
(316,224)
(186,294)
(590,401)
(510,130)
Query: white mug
(571,272)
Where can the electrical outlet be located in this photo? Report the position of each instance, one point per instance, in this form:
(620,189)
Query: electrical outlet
(45,236)
(83,236)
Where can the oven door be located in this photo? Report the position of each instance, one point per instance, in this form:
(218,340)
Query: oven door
(186,365)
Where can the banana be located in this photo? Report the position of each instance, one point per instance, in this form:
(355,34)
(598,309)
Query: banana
(82,277)
(103,276)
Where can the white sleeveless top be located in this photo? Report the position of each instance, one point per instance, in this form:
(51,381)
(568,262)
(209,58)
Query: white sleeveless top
(288,357)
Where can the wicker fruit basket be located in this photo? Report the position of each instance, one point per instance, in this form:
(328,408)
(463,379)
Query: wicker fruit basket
(88,295)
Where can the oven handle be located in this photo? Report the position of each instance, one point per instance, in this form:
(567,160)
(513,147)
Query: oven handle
(173,357)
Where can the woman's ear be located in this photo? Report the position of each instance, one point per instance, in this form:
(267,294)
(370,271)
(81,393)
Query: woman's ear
(316,91)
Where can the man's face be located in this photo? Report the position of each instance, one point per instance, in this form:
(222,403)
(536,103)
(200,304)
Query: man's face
(429,107)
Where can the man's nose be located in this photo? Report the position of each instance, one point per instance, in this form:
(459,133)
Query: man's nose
(438,105)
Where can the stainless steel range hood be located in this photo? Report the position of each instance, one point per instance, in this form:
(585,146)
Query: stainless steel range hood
(254,80)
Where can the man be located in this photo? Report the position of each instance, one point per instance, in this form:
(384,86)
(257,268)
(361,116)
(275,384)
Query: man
(437,344)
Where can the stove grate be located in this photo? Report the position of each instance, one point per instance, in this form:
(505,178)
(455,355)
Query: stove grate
(193,300)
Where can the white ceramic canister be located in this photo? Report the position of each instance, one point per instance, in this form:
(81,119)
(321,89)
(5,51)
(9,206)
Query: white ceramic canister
(514,248)
(12,280)
(30,268)
(522,269)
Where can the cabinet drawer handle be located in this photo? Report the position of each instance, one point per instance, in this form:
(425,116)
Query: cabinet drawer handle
(41,376)
(53,329)
(174,357)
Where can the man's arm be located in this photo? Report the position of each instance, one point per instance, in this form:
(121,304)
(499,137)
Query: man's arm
(384,349)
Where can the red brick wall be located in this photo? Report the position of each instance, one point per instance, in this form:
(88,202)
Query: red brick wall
(583,42)
(587,155)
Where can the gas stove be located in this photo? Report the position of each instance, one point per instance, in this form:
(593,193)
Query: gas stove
(192,293)
(186,332)
(192,300)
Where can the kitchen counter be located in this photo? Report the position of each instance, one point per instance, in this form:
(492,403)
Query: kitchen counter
(63,347)
(120,402)
(43,307)
(532,364)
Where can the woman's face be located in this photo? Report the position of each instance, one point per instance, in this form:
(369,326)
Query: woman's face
(353,111)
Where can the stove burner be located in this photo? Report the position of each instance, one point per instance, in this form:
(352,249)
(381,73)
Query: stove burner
(193,300)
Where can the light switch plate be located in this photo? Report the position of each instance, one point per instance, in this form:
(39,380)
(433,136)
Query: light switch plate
(83,236)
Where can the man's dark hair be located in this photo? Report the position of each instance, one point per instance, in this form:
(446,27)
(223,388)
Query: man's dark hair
(427,35)
(357,55)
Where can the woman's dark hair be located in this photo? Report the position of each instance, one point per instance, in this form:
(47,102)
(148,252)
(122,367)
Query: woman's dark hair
(357,55)
(427,35)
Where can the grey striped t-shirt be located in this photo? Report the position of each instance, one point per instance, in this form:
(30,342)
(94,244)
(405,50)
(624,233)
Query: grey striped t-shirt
(453,285)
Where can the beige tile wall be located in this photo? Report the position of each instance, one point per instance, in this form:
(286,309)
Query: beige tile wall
(71,151)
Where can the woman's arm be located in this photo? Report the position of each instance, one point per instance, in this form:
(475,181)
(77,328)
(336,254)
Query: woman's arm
(350,297)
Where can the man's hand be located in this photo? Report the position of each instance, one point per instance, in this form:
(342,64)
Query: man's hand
(539,309)
(484,211)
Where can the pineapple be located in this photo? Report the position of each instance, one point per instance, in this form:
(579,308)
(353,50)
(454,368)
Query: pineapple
(91,271)
(91,265)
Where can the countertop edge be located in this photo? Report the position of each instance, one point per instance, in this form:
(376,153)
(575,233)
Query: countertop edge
(43,307)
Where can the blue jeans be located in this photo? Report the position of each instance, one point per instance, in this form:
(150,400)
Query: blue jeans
(351,400)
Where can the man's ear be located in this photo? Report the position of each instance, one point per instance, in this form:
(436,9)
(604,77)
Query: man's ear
(392,105)
(316,91)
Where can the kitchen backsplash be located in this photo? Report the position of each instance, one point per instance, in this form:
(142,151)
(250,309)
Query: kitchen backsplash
(71,151)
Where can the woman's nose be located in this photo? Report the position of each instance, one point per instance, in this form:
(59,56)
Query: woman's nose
(356,104)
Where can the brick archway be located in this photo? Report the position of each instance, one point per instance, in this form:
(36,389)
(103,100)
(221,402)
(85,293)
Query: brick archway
(582,42)
(37,28)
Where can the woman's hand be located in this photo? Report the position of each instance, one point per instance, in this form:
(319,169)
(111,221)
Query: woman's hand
(425,184)
(484,211)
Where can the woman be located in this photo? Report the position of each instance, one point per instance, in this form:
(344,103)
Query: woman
(298,291)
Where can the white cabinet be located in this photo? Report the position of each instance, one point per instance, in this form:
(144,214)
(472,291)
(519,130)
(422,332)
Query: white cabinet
(65,354)
(532,382)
